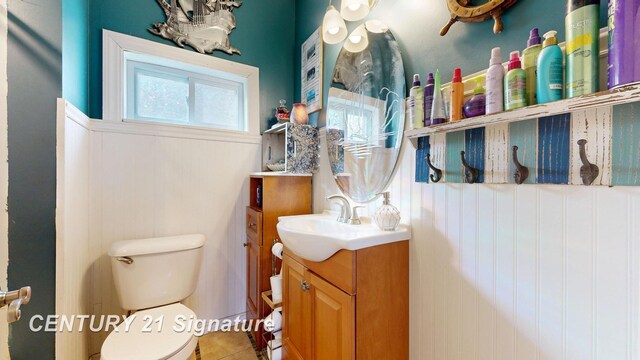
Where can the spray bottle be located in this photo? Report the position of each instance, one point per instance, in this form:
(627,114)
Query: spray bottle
(457,95)
(582,47)
(530,64)
(429,89)
(515,84)
(417,102)
(495,85)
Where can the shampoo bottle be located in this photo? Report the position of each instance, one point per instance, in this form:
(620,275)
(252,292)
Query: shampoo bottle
(549,82)
(417,102)
(582,47)
(515,84)
(495,78)
(457,95)
(477,104)
(438,114)
(530,63)
(428,98)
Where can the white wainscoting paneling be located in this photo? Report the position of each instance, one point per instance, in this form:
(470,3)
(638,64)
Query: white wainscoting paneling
(151,186)
(518,272)
(73,264)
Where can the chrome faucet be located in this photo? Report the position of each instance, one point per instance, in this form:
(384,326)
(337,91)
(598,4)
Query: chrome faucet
(348,215)
(14,299)
(345,207)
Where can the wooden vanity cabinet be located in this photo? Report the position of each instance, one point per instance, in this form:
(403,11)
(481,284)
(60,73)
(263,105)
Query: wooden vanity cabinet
(354,305)
(280,195)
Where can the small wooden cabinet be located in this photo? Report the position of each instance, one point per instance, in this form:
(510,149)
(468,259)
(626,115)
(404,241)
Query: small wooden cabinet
(354,305)
(271,195)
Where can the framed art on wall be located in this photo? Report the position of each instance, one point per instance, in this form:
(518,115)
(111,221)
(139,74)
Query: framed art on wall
(311,76)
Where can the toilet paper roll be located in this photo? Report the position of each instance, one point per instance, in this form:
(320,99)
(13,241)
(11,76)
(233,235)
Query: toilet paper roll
(276,288)
(273,322)
(277,249)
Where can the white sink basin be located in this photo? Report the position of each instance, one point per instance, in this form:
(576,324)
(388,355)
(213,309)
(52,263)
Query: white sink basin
(318,237)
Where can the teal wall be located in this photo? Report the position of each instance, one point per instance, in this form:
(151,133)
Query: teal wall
(35,81)
(264,35)
(417,24)
(75,53)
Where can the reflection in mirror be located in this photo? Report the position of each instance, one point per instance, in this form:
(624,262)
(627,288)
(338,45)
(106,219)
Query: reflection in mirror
(366,111)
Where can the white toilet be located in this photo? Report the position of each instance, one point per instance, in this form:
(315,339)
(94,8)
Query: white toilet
(152,276)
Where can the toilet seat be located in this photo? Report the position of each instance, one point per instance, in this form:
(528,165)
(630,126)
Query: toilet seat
(152,344)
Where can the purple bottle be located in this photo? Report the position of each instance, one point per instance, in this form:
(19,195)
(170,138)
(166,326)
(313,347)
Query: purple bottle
(624,43)
(428,98)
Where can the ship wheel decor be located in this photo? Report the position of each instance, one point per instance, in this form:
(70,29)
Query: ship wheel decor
(204,25)
(461,11)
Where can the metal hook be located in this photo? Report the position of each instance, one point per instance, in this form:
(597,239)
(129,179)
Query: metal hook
(588,171)
(437,172)
(470,174)
(522,172)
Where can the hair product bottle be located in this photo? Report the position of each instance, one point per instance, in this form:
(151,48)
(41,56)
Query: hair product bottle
(417,102)
(582,47)
(438,114)
(515,84)
(477,104)
(624,52)
(495,83)
(550,68)
(457,95)
(530,64)
(429,89)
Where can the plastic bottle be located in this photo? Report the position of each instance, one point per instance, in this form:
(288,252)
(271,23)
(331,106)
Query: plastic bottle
(428,99)
(530,64)
(457,95)
(582,47)
(438,113)
(550,67)
(416,95)
(495,83)
(515,83)
(477,104)
(624,27)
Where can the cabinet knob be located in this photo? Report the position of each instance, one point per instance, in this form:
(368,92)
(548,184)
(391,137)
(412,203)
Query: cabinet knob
(304,285)
(244,244)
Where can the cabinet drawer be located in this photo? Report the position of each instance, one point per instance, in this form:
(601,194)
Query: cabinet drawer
(254,224)
(339,269)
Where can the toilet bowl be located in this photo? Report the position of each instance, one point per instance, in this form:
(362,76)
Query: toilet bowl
(154,275)
(146,339)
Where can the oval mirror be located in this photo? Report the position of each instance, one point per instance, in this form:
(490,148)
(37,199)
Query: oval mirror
(366,112)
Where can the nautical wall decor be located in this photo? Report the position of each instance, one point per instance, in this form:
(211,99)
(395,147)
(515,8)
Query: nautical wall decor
(204,25)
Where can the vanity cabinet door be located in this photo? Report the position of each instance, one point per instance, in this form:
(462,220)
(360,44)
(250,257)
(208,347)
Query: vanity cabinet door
(253,275)
(296,315)
(332,321)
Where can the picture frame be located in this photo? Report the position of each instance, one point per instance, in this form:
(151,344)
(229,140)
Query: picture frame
(311,75)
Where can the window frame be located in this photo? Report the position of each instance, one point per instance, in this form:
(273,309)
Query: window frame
(115,49)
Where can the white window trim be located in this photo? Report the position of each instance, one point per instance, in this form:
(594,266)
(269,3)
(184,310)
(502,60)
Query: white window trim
(114,46)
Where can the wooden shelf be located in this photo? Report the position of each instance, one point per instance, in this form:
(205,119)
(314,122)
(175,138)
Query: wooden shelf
(621,95)
(266,296)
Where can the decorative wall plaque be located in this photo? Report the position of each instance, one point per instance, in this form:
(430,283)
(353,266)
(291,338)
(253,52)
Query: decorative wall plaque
(204,25)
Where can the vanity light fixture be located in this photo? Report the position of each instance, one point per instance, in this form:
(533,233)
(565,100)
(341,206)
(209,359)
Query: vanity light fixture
(358,40)
(354,10)
(334,30)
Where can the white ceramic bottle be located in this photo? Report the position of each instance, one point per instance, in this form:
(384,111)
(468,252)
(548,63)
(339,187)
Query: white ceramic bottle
(495,84)
(387,216)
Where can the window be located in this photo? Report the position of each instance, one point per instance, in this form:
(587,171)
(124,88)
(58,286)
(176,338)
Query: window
(167,91)
(158,88)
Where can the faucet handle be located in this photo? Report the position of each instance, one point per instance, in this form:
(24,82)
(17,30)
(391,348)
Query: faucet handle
(355,219)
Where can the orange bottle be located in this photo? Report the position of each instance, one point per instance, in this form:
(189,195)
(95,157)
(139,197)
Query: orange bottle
(457,95)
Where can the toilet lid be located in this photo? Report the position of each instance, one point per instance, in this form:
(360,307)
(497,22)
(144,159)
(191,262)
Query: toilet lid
(146,339)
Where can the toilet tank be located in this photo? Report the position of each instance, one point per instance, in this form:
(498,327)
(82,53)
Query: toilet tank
(156,271)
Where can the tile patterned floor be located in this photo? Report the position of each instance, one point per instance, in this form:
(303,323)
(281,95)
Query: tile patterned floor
(226,346)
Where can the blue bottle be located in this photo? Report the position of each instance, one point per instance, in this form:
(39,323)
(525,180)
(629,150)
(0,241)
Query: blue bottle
(550,69)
